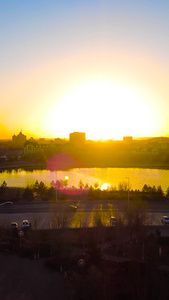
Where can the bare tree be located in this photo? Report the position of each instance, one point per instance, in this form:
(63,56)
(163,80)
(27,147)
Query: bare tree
(134,214)
(59,221)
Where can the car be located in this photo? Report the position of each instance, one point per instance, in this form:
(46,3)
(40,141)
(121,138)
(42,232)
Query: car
(165,220)
(72,207)
(14,226)
(6,204)
(25,225)
(113,221)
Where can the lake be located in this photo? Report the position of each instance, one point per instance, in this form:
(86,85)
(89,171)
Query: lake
(113,176)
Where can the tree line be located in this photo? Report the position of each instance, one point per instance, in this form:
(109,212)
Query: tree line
(41,191)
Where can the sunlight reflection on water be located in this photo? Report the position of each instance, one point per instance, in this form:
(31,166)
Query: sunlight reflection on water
(111,176)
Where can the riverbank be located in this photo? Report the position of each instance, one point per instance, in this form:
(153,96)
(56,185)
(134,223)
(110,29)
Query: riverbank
(39,192)
(43,166)
(14,165)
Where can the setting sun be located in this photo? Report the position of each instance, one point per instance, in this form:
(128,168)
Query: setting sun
(102,109)
(104,187)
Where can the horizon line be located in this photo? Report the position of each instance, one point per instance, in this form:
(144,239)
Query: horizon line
(99,140)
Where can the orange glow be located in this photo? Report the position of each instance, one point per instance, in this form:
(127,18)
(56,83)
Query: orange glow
(102,109)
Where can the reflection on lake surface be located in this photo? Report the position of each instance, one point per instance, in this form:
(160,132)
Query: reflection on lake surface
(112,176)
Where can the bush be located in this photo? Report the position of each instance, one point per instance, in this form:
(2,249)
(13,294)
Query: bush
(28,195)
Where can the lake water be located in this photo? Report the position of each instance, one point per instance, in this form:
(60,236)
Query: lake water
(113,176)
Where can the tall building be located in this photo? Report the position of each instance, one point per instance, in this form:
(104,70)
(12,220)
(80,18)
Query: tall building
(77,138)
(127,139)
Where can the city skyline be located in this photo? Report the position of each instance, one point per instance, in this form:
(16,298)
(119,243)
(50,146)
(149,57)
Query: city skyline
(124,138)
(99,67)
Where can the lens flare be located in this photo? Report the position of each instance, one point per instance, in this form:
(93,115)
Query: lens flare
(63,161)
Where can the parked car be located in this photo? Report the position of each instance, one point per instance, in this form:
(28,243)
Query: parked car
(6,204)
(165,220)
(113,221)
(14,225)
(25,225)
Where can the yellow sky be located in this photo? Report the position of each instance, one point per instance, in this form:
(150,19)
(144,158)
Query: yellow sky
(81,69)
(106,97)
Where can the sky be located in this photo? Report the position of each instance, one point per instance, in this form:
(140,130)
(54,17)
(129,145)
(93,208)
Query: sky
(99,67)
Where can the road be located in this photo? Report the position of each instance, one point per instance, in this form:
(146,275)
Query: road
(42,213)
(86,206)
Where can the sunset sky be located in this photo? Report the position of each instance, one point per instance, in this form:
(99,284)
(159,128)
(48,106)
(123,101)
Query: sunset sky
(101,67)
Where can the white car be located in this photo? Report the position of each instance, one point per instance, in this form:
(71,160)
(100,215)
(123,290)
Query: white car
(165,220)
(6,204)
(25,224)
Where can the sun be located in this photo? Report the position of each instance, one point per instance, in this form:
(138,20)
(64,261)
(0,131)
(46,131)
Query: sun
(101,109)
(104,186)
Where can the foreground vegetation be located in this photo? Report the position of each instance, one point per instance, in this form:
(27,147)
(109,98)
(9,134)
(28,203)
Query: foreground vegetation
(103,262)
(119,262)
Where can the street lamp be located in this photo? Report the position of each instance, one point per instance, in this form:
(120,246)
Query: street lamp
(128,190)
(56,187)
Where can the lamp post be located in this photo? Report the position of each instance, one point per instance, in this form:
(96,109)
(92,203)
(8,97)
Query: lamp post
(56,187)
(128,190)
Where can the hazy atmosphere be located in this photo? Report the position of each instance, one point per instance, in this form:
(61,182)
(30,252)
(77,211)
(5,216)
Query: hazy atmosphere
(101,67)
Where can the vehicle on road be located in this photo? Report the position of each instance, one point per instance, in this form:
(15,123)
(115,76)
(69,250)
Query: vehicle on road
(14,226)
(72,207)
(165,220)
(25,225)
(6,204)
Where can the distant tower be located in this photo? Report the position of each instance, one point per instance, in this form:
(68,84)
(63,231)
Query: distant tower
(19,140)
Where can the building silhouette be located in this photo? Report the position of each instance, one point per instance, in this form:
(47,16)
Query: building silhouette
(18,140)
(127,139)
(77,138)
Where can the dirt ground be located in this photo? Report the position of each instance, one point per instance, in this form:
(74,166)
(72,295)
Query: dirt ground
(26,279)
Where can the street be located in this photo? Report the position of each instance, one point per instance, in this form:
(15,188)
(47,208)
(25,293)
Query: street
(41,214)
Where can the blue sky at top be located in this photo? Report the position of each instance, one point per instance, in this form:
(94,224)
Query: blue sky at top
(67,41)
